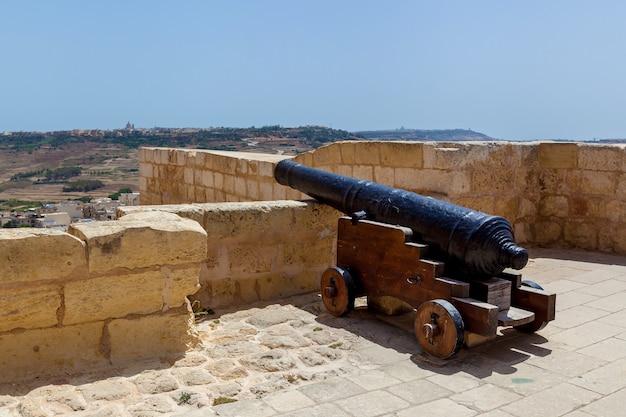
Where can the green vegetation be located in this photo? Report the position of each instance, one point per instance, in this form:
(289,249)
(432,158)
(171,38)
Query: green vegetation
(20,205)
(209,138)
(116,196)
(184,398)
(83,186)
(28,174)
(223,400)
(62,173)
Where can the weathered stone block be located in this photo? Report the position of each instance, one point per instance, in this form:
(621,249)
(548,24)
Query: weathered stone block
(324,156)
(402,154)
(142,240)
(527,208)
(29,307)
(384,175)
(347,150)
(582,234)
(484,204)
(507,207)
(616,211)
(115,296)
(363,172)
(52,350)
(266,190)
(546,233)
(554,206)
(558,155)
(367,153)
(442,157)
(490,182)
(600,183)
(600,157)
(39,254)
(151,337)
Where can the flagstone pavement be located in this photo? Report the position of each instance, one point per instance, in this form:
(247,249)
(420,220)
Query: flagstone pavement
(291,358)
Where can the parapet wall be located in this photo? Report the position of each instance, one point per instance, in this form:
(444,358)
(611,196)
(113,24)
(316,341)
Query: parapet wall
(554,194)
(106,293)
(258,250)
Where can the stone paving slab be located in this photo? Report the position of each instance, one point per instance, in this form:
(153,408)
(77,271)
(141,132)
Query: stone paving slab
(292,358)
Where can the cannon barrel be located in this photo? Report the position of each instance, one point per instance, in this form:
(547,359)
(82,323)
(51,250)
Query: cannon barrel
(468,241)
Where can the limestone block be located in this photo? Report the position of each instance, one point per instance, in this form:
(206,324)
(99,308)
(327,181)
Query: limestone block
(266,170)
(188,175)
(492,181)
(29,307)
(507,207)
(145,155)
(39,254)
(363,172)
(600,183)
(229,184)
(402,154)
(367,153)
(616,211)
(316,252)
(527,208)
(114,296)
(554,206)
(485,204)
(445,156)
(142,240)
(384,175)
(591,207)
(252,190)
(426,181)
(546,232)
(345,170)
(266,190)
(581,234)
(306,158)
(558,155)
(151,337)
(179,284)
(347,150)
(206,178)
(326,155)
(145,170)
(51,350)
(242,167)
(523,232)
(600,157)
(249,257)
(621,186)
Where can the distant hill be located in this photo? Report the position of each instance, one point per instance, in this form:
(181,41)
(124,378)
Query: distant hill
(110,156)
(440,135)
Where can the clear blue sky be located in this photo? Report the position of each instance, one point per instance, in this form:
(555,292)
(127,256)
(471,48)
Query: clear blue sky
(515,70)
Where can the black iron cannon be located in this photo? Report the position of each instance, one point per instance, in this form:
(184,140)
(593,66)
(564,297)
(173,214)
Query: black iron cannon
(470,242)
(446,261)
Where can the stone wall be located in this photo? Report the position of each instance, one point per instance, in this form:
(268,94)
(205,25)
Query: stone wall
(106,293)
(258,250)
(554,194)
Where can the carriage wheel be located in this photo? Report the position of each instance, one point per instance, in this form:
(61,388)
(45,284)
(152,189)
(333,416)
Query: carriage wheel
(439,328)
(535,325)
(338,290)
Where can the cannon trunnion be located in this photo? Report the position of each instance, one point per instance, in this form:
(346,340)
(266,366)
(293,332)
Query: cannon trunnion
(455,266)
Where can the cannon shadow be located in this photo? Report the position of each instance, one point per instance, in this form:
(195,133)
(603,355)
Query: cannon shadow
(499,355)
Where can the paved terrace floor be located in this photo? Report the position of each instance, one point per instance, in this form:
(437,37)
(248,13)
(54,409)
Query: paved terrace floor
(291,358)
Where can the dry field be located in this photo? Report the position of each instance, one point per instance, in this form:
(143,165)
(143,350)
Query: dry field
(115,166)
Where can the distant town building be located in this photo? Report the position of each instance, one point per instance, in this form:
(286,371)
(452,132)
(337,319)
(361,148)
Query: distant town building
(129,199)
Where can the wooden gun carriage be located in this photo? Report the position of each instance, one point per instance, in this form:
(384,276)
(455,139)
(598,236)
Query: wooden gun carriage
(454,265)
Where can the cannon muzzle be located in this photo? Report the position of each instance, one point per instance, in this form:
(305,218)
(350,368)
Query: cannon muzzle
(468,241)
